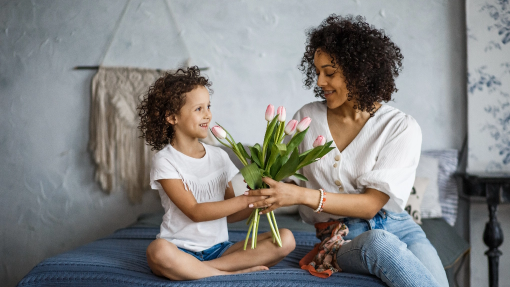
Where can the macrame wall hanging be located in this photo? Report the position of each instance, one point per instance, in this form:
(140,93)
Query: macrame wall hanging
(121,157)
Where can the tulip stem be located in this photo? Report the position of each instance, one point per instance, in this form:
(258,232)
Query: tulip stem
(273,230)
(248,235)
(255,225)
(276,228)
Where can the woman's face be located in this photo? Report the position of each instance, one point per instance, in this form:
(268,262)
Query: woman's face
(331,80)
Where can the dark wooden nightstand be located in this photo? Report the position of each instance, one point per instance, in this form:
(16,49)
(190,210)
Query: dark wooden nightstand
(496,189)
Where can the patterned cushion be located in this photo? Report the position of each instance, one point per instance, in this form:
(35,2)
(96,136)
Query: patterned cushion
(413,205)
(448,195)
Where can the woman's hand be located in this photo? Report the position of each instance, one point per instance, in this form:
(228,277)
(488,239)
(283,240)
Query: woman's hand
(278,195)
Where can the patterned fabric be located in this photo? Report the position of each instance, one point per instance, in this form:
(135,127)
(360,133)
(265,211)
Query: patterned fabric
(448,195)
(324,263)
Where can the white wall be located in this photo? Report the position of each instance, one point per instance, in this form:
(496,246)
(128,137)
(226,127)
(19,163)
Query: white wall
(50,202)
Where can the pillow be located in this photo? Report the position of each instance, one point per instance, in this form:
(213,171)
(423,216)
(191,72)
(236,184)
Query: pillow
(447,182)
(415,198)
(240,187)
(428,167)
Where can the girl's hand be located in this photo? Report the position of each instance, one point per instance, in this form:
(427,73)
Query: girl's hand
(278,195)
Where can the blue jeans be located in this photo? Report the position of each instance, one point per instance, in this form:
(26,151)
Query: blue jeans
(210,253)
(392,247)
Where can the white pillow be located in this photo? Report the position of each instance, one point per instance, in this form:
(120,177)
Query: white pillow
(428,167)
(240,187)
(415,198)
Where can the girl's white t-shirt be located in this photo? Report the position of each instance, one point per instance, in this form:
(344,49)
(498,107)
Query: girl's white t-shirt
(206,178)
(383,156)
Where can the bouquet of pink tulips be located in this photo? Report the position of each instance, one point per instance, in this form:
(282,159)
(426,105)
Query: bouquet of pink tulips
(273,159)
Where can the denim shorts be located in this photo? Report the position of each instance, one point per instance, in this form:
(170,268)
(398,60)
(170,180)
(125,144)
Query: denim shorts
(211,253)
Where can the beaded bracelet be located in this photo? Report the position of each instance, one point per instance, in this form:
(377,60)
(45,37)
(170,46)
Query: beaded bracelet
(321,201)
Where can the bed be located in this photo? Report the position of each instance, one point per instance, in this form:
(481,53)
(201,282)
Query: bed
(119,259)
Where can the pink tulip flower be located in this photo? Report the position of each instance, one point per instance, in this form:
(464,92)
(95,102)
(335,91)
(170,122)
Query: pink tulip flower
(219,132)
(303,124)
(291,127)
(269,113)
(320,140)
(281,113)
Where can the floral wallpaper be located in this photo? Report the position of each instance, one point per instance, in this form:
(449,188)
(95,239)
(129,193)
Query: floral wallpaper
(488,28)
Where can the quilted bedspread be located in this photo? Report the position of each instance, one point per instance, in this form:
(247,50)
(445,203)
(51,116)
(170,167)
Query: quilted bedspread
(119,260)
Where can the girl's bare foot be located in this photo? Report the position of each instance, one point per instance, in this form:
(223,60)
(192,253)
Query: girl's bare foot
(251,269)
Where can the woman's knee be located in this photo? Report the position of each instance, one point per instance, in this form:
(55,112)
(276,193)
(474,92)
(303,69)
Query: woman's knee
(382,242)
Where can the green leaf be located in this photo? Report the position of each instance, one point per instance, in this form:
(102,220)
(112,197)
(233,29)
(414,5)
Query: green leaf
(302,156)
(282,148)
(326,149)
(310,157)
(269,131)
(295,141)
(240,146)
(257,147)
(275,168)
(290,167)
(300,177)
(252,176)
(255,155)
(275,152)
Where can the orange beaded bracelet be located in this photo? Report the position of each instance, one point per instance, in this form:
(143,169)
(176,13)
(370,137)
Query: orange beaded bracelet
(321,201)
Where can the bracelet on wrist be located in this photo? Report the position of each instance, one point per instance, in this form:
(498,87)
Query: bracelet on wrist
(321,201)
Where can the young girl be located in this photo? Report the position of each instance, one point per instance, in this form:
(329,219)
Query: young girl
(193,180)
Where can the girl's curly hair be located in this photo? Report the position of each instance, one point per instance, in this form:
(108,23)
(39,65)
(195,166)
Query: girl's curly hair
(165,98)
(369,60)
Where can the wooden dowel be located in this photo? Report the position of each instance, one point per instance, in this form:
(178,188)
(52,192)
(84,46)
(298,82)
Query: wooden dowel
(97,67)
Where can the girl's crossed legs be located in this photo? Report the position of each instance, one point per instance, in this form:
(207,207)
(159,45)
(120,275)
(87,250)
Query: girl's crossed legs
(166,260)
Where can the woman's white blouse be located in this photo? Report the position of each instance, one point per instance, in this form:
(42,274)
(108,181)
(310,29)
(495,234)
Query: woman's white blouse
(206,178)
(383,156)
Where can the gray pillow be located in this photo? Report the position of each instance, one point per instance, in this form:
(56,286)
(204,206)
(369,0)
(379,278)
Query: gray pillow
(446,182)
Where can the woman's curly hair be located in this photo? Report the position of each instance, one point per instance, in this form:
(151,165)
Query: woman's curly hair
(165,98)
(369,60)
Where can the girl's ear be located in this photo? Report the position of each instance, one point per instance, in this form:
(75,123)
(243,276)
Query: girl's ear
(171,119)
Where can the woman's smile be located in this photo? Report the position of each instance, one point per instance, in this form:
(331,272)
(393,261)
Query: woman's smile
(328,93)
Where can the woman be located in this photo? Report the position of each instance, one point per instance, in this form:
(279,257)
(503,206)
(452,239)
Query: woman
(367,179)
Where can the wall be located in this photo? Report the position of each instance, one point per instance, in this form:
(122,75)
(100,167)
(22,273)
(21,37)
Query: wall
(50,202)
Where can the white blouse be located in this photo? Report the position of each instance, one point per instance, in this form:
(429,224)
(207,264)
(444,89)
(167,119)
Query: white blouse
(206,178)
(383,156)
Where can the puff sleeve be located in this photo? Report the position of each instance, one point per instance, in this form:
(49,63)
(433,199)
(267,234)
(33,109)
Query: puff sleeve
(161,168)
(395,168)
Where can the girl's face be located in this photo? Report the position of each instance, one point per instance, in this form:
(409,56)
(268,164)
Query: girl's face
(331,80)
(194,117)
